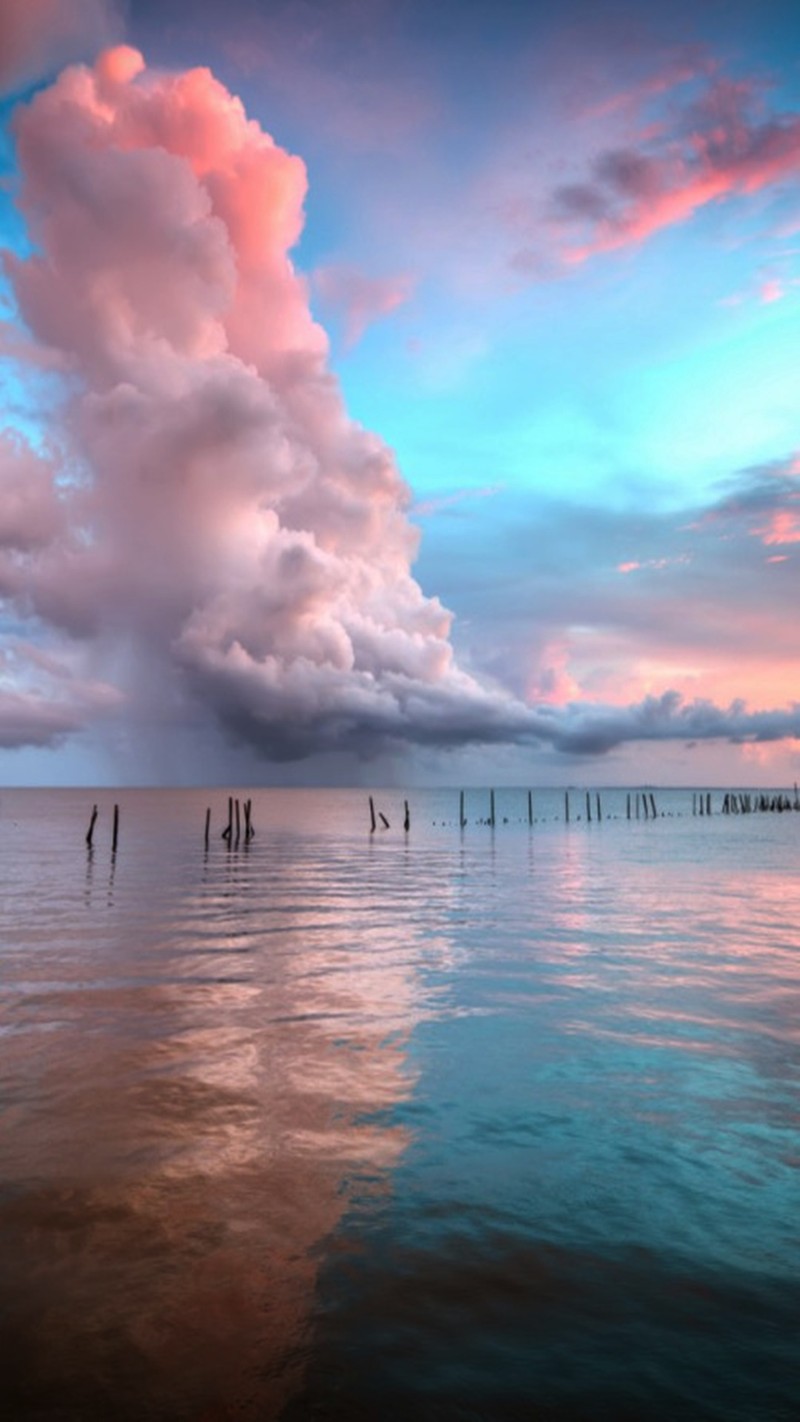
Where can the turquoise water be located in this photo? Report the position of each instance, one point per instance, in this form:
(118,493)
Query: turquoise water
(464,1123)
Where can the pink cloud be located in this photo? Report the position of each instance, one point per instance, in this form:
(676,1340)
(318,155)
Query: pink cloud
(772,290)
(678,70)
(783,526)
(227,522)
(552,682)
(721,150)
(636,566)
(361,299)
(428,508)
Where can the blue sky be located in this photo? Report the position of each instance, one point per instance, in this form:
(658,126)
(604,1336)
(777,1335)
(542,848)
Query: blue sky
(556,254)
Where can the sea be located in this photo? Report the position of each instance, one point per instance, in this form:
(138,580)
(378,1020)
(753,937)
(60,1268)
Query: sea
(490,1118)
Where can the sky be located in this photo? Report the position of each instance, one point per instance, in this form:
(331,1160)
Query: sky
(397,393)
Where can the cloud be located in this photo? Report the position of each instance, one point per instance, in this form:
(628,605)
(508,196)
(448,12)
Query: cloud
(721,146)
(361,299)
(44,697)
(206,524)
(38,36)
(595,730)
(220,517)
(569,603)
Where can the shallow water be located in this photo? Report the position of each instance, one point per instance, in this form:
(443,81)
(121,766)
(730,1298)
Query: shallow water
(483,1123)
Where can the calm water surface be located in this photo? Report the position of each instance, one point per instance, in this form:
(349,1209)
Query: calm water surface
(481,1124)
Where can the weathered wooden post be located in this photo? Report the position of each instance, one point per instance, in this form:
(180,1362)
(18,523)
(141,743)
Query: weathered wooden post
(90,830)
(372,825)
(708,803)
(208,826)
(566,806)
(588,807)
(597,806)
(530,808)
(653,805)
(406,817)
(227,833)
(628,805)
(115,830)
(461,818)
(491,808)
(386,824)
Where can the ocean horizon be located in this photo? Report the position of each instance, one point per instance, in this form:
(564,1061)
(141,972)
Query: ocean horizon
(459,1121)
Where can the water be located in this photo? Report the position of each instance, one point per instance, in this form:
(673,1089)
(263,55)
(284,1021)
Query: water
(493,1124)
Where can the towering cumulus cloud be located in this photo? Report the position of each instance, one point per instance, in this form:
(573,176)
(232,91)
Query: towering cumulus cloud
(214,514)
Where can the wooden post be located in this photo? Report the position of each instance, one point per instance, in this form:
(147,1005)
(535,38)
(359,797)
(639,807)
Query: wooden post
(228,830)
(491,808)
(588,807)
(637,804)
(708,803)
(385,821)
(653,805)
(407,818)
(628,805)
(566,806)
(238,823)
(530,808)
(115,830)
(208,825)
(371,815)
(597,805)
(462,821)
(90,830)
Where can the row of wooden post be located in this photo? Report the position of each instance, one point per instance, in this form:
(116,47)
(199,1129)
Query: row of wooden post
(232,832)
(736,803)
(114,828)
(638,804)
(373,823)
